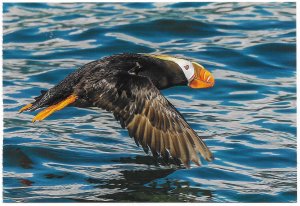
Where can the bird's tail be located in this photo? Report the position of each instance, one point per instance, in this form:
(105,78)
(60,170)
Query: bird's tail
(58,96)
(53,101)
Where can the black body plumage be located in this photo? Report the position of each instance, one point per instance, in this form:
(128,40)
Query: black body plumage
(128,86)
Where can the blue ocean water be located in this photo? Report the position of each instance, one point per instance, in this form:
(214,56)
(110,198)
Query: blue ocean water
(248,119)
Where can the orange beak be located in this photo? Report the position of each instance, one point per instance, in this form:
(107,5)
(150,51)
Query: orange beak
(202,78)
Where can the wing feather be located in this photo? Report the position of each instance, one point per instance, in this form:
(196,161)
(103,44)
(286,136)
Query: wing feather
(150,118)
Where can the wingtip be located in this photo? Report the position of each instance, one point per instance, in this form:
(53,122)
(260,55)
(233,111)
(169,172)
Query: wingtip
(210,157)
(197,163)
(186,164)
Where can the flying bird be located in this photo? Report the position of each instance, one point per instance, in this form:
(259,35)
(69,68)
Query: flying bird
(128,85)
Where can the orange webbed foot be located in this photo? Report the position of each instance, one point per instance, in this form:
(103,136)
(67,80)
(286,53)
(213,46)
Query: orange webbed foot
(53,108)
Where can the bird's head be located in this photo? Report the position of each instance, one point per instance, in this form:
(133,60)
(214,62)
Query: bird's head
(196,75)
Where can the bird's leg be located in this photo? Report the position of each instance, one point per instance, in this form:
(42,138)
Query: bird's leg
(53,108)
(136,69)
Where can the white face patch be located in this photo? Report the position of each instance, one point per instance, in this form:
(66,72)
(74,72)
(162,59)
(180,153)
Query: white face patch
(186,66)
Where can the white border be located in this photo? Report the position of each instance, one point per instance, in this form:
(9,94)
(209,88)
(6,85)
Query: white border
(130,204)
(119,1)
(298,93)
(1,106)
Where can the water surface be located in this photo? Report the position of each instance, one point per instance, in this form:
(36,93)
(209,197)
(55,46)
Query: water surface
(248,119)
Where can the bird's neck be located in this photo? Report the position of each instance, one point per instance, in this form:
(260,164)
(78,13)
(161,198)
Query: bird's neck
(164,75)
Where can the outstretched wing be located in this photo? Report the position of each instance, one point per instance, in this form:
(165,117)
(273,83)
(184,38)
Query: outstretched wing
(150,118)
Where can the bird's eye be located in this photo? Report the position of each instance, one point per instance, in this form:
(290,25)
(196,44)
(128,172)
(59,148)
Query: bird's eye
(186,67)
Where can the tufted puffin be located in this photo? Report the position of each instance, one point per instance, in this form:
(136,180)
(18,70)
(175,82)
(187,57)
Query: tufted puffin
(128,85)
